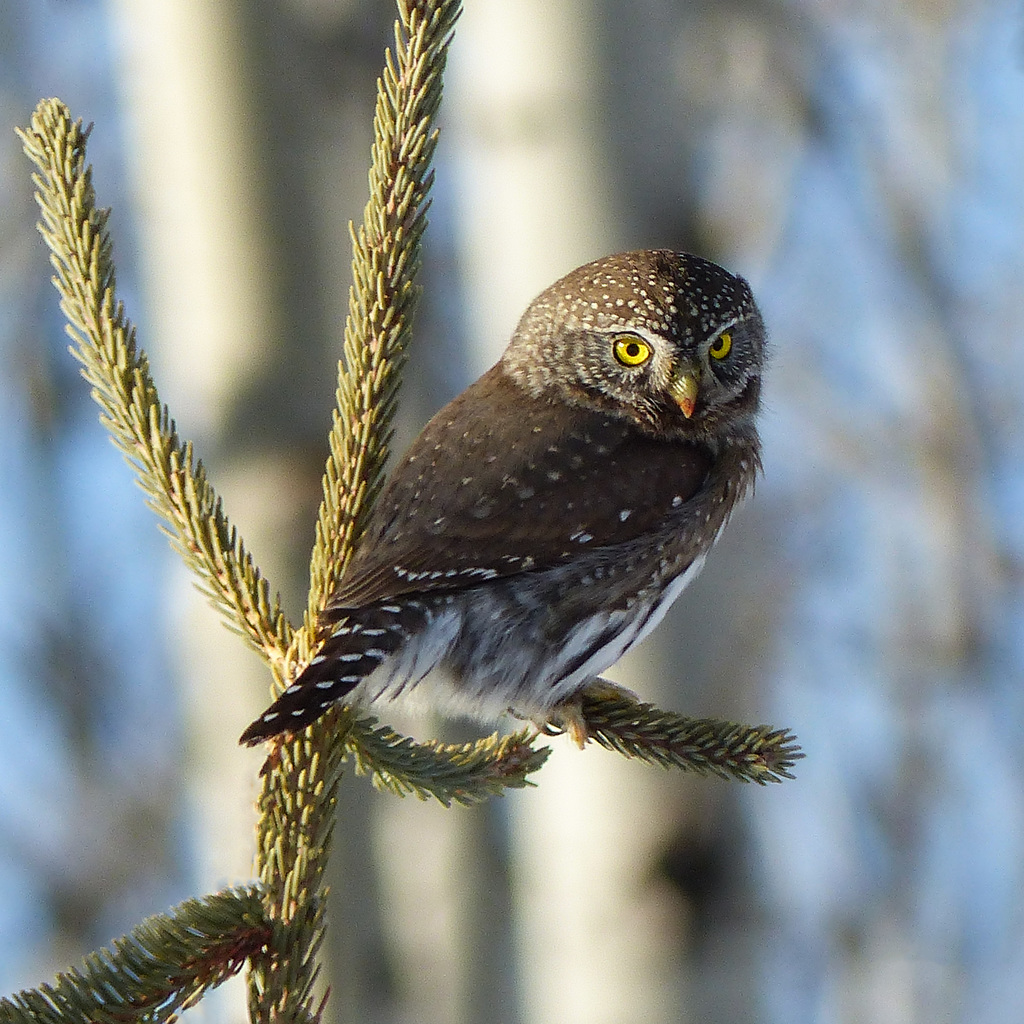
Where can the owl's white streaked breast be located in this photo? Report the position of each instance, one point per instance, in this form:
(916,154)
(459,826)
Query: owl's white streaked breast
(507,674)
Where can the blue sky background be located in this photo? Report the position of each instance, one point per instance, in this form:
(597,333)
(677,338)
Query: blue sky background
(870,184)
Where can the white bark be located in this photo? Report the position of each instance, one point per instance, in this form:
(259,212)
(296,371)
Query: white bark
(211,319)
(595,940)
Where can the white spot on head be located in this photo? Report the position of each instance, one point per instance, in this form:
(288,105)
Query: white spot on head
(677,501)
(625,514)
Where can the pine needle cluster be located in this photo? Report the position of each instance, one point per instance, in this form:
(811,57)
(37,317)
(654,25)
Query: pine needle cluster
(277,926)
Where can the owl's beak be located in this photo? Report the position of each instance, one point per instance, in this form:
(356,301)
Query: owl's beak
(684,386)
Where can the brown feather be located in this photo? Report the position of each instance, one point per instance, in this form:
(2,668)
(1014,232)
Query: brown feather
(500,483)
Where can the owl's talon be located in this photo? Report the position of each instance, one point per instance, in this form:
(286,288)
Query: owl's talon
(578,731)
(546,728)
(567,718)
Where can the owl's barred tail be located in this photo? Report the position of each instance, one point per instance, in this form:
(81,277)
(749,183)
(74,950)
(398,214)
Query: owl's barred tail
(354,649)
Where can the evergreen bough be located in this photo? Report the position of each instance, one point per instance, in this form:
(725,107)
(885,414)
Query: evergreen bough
(277,925)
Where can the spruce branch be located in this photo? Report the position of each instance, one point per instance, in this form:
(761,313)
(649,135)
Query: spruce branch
(463,773)
(706,746)
(385,260)
(161,967)
(174,481)
(297,813)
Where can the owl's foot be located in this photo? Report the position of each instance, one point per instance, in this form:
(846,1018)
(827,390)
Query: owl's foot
(568,717)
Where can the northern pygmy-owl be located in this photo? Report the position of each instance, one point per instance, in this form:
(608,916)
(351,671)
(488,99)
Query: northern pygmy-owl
(543,521)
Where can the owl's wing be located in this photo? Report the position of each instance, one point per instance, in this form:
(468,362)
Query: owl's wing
(499,483)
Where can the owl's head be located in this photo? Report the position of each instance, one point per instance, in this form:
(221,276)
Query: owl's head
(670,341)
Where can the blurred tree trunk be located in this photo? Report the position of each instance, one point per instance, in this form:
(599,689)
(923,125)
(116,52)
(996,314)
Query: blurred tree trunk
(236,328)
(597,939)
(213,319)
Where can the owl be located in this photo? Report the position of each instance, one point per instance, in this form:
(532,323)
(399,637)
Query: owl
(544,520)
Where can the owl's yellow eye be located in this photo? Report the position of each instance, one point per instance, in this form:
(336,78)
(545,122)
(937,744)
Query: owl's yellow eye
(631,350)
(721,346)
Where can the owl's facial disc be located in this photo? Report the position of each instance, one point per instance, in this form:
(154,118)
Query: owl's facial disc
(684,386)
